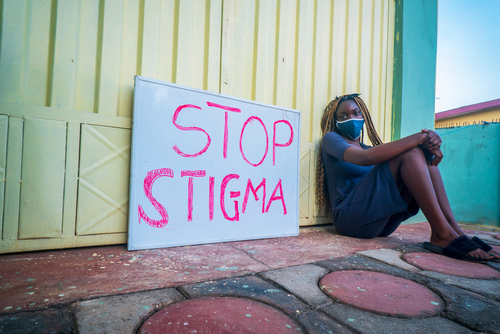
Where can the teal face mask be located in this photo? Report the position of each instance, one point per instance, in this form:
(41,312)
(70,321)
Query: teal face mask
(351,128)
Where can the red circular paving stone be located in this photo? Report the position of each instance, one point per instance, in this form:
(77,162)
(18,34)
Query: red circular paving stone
(382,293)
(219,315)
(446,265)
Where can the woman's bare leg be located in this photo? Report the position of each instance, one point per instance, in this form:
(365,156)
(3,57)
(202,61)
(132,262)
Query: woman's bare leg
(411,169)
(444,203)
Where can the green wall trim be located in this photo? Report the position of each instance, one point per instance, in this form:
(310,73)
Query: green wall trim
(397,72)
(414,72)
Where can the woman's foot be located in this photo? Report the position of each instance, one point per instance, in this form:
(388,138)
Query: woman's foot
(474,254)
(479,242)
(495,254)
(487,248)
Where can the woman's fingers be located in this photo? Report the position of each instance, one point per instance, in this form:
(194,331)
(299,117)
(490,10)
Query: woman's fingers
(431,141)
(431,146)
(438,156)
(423,131)
(435,138)
(434,156)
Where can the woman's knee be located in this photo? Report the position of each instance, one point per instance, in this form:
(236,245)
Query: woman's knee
(415,154)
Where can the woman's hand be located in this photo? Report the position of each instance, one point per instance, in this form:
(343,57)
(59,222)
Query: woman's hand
(431,145)
(434,156)
(432,141)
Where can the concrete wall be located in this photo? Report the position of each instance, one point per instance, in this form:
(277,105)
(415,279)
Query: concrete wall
(471,173)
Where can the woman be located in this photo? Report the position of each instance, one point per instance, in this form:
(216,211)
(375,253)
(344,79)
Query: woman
(371,190)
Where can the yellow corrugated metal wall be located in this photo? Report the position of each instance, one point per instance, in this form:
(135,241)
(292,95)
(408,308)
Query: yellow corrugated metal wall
(66,92)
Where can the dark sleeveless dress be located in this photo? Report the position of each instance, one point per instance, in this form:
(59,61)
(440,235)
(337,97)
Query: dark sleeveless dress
(365,200)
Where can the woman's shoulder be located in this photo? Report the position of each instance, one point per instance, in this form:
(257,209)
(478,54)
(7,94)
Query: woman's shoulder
(333,138)
(334,144)
(332,135)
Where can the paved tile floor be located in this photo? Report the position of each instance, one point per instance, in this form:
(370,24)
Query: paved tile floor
(318,282)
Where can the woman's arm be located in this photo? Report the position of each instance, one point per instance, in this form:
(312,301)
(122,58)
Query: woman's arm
(383,152)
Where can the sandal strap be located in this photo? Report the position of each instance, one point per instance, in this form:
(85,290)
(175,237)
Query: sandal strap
(483,245)
(459,247)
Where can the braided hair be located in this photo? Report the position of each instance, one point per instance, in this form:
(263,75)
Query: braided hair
(328,125)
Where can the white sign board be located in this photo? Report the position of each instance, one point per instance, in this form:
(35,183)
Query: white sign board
(210,168)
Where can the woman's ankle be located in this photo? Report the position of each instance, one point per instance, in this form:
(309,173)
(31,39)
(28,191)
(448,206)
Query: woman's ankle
(457,229)
(443,237)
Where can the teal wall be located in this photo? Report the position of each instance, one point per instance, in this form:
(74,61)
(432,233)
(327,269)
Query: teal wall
(471,173)
(414,75)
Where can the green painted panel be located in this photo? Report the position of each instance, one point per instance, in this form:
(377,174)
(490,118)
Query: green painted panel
(4,123)
(42,190)
(103,186)
(415,48)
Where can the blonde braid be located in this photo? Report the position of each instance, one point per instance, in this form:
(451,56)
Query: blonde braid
(328,125)
(370,128)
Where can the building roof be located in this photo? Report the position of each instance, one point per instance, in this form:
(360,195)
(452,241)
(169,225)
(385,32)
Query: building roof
(468,109)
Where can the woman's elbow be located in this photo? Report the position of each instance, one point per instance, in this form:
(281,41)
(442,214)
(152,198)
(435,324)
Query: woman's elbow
(366,160)
(359,157)
(362,161)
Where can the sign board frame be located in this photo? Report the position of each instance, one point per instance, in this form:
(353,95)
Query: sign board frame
(177,131)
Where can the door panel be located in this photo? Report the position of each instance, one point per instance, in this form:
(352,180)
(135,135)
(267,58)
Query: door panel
(42,179)
(103,185)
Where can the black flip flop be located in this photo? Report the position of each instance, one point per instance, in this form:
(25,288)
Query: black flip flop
(485,247)
(457,249)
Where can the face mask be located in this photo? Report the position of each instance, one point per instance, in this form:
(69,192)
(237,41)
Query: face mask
(351,128)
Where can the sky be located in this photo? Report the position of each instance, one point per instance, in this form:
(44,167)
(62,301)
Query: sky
(468,53)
